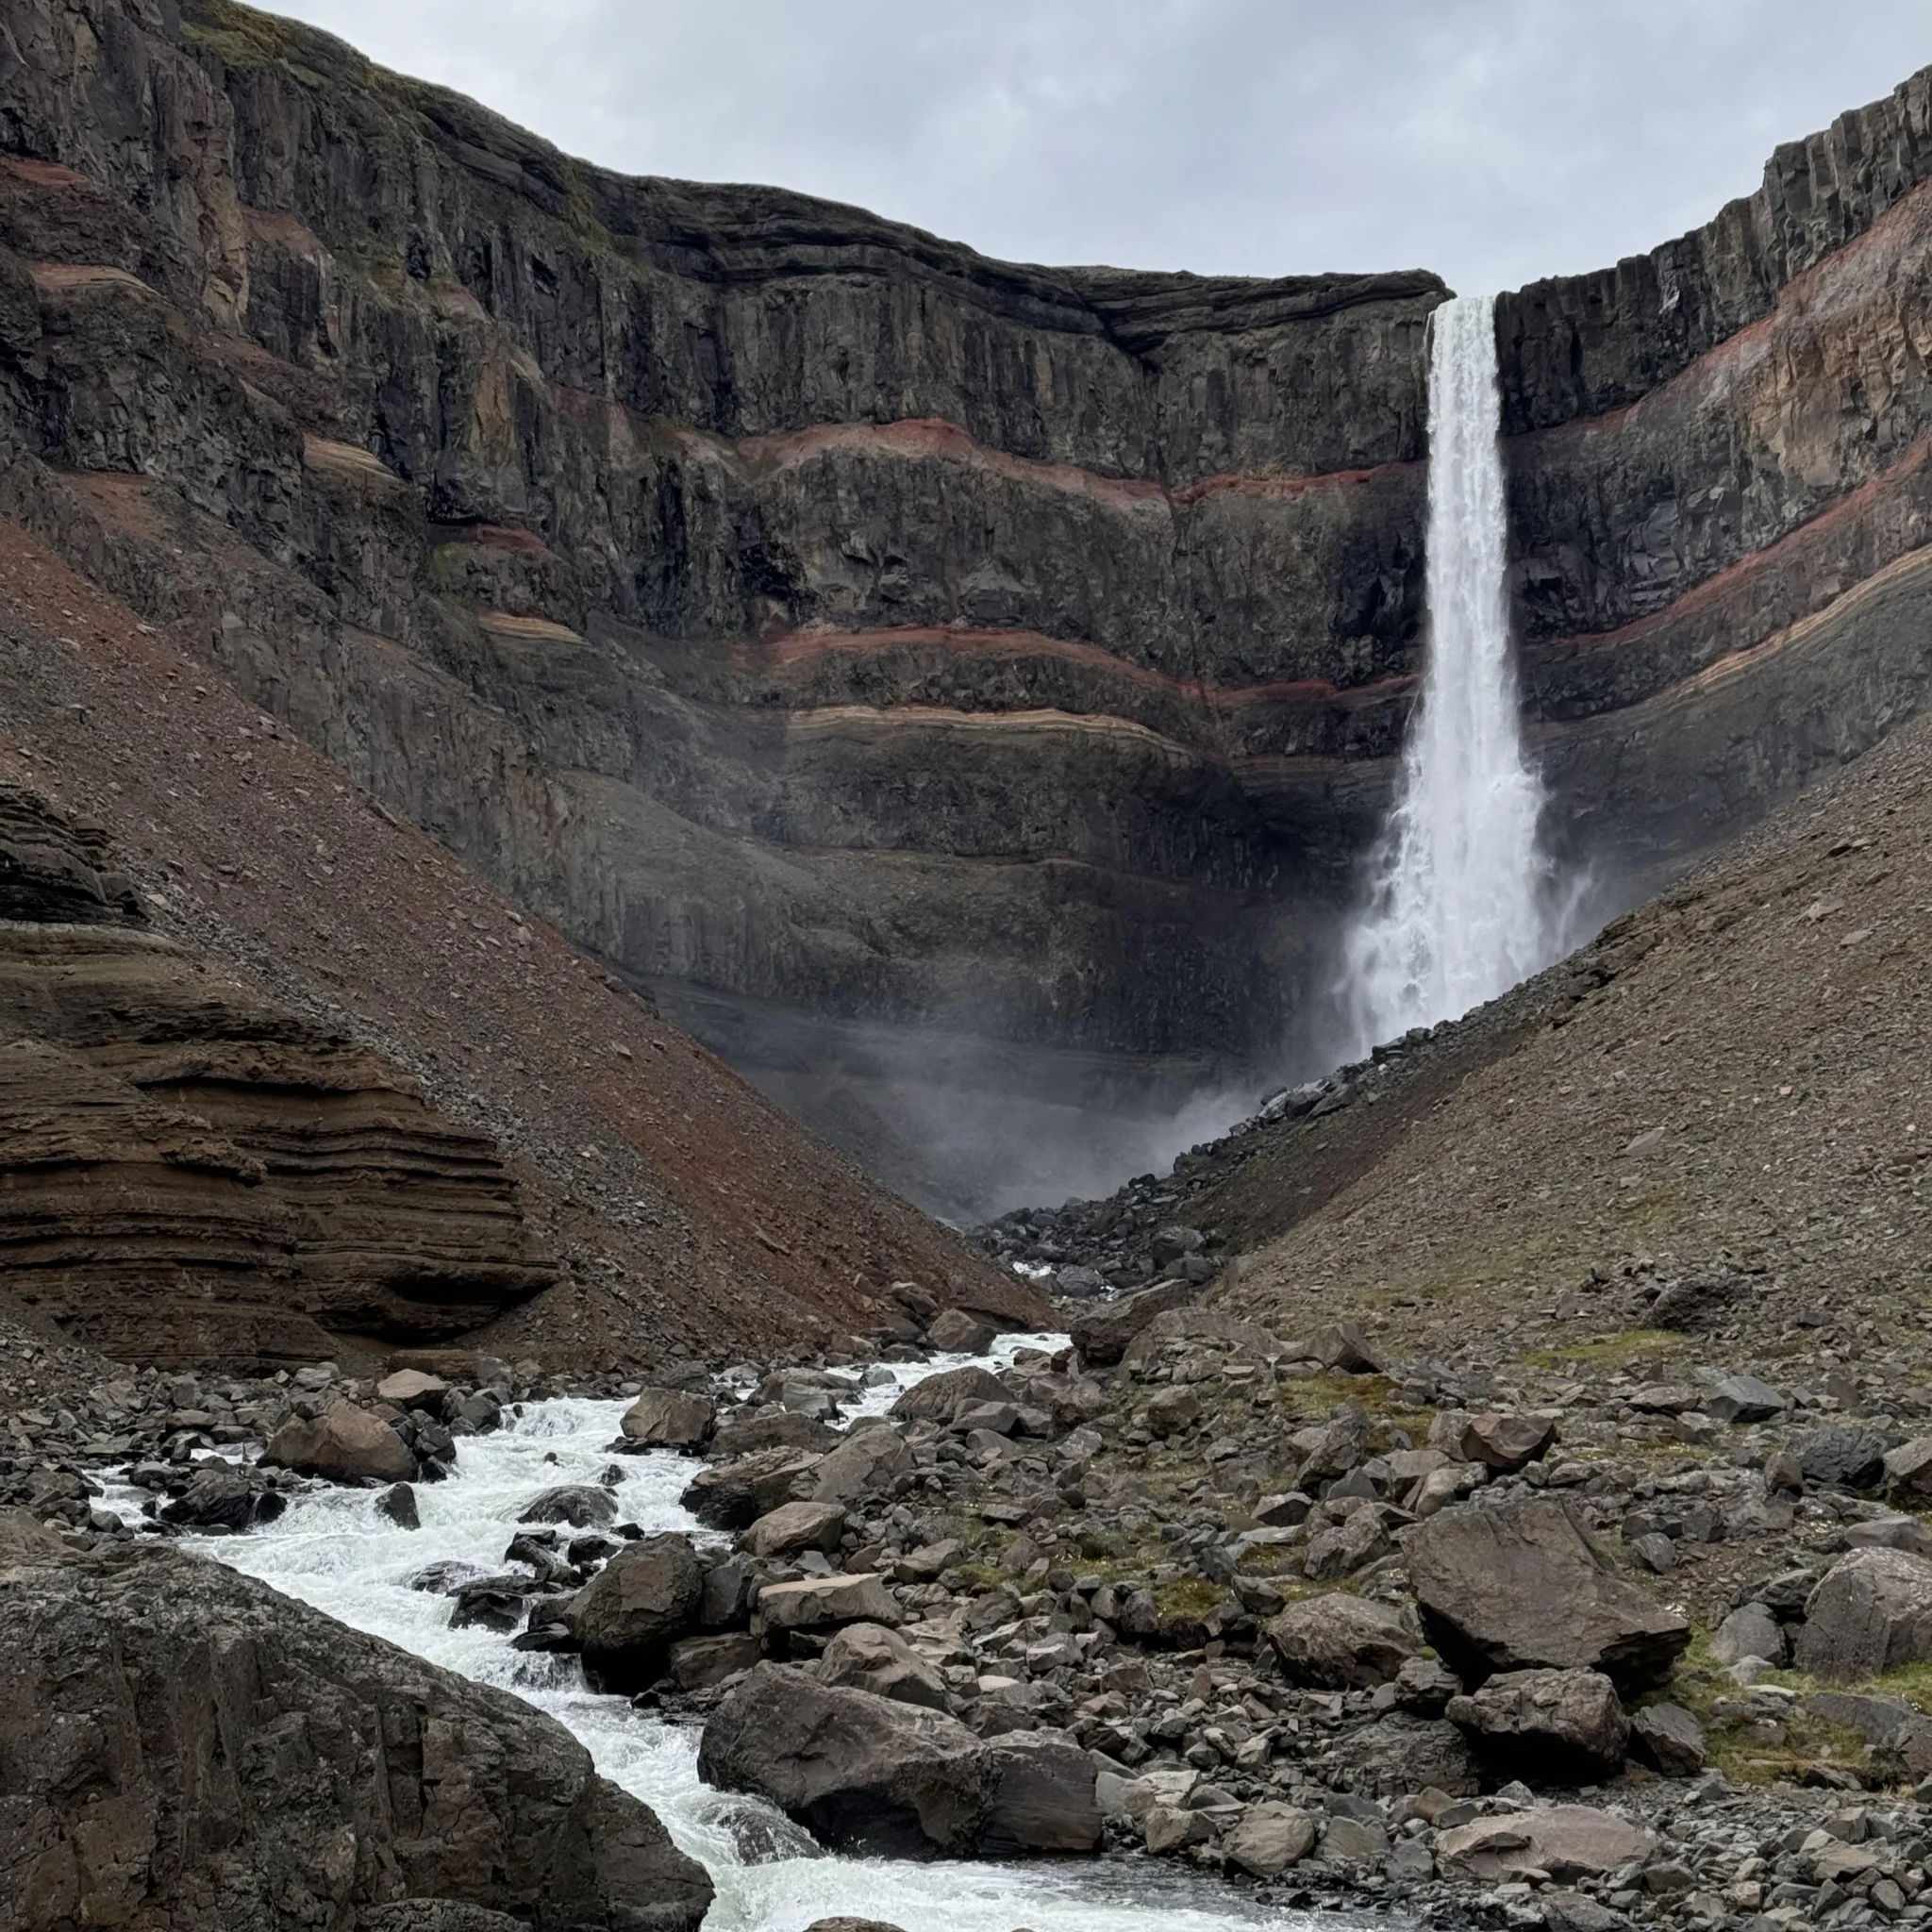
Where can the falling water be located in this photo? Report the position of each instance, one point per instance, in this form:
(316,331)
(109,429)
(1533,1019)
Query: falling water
(1462,905)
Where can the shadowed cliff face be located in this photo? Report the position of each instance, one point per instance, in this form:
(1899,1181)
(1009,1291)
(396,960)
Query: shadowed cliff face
(947,684)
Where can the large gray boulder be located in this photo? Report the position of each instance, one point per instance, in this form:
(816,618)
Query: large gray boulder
(1562,1841)
(1341,1642)
(746,1431)
(934,1399)
(185,1747)
(343,1443)
(1044,1799)
(734,1494)
(794,1526)
(822,1603)
(1547,1726)
(1520,1587)
(862,1774)
(670,1419)
(866,1462)
(1102,1333)
(625,1618)
(1871,1613)
(1269,1839)
(870,1657)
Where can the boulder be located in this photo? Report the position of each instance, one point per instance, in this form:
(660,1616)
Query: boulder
(1749,1631)
(580,1505)
(734,1494)
(869,1656)
(1102,1333)
(1212,1326)
(670,1419)
(1889,1533)
(1668,1738)
(1547,1726)
(1351,1545)
(1172,1410)
(934,1399)
(412,1388)
(1560,1841)
(1079,1284)
(1341,1642)
(953,1331)
(1743,1399)
(218,1498)
(794,1526)
(696,1663)
(626,1617)
(188,1748)
(1343,1346)
(399,1505)
(1174,1828)
(1044,1800)
(1845,1456)
(343,1443)
(1521,1587)
(864,1775)
(1400,1753)
(1333,1448)
(851,1925)
(1350,1840)
(1270,1838)
(1506,1442)
(867,1460)
(746,1431)
(1871,1613)
(1907,1470)
(822,1603)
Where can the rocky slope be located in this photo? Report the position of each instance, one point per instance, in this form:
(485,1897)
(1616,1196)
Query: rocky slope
(938,679)
(1713,1110)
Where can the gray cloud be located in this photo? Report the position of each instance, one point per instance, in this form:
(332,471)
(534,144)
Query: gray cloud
(1495,140)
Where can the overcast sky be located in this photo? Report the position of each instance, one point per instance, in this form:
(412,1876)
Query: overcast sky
(1494,141)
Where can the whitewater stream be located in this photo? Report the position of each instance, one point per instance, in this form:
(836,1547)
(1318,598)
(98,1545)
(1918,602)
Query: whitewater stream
(331,1549)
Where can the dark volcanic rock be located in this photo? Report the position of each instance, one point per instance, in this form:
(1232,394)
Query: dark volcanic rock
(124,1666)
(862,1774)
(343,1443)
(734,1494)
(1521,1587)
(625,1618)
(1872,1612)
(1341,1642)
(1547,1726)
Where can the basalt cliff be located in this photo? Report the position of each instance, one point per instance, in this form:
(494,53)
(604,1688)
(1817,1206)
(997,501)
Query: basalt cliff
(954,691)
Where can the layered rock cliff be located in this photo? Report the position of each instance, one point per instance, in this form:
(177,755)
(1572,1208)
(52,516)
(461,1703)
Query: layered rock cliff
(190,1173)
(953,688)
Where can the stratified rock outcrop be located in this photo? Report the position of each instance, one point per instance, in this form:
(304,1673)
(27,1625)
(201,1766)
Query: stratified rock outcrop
(188,1173)
(183,1747)
(975,679)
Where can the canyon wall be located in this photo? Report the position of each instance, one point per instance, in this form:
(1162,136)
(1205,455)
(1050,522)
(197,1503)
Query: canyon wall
(960,692)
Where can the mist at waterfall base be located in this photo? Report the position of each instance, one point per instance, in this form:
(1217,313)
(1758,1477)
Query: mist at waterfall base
(1462,900)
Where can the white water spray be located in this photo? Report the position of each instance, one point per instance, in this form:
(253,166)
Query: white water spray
(1461,904)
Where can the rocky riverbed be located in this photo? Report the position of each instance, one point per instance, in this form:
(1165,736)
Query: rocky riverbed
(1630,1641)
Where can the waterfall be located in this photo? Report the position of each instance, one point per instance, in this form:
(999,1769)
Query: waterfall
(1460,904)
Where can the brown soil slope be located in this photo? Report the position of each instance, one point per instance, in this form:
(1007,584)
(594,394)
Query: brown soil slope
(688,1214)
(1727,1091)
